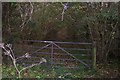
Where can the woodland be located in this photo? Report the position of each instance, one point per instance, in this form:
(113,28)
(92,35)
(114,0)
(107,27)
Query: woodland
(67,22)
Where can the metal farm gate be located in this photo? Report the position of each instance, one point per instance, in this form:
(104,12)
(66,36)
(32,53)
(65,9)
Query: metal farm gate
(58,54)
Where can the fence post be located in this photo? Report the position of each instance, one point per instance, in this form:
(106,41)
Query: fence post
(94,55)
(52,55)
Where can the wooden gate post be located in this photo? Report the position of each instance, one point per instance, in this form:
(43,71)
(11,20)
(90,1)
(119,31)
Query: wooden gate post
(52,54)
(94,55)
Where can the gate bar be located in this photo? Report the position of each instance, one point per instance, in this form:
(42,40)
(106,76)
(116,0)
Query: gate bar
(57,42)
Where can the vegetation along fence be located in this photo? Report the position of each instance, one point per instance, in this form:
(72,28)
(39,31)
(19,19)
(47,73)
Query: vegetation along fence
(58,54)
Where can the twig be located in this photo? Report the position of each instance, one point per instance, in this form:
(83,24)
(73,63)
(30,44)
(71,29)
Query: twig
(65,6)
(10,51)
(29,13)
(111,35)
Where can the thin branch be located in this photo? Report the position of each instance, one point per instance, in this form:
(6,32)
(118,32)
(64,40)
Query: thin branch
(63,14)
(91,33)
(111,39)
(111,33)
(7,52)
(20,11)
(12,52)
(28,13)
(30,66)
(14,63)
(65,6)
